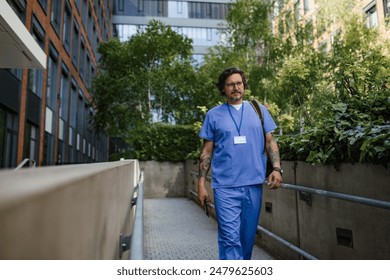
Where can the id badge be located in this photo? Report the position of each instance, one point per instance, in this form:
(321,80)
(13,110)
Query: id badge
(239,139)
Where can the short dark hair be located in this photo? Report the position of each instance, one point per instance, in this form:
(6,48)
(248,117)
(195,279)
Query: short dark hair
(225,74)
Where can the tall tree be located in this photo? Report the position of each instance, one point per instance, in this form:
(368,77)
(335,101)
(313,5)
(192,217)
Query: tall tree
(144,77)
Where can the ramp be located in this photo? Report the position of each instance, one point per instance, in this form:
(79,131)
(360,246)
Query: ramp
(178,229)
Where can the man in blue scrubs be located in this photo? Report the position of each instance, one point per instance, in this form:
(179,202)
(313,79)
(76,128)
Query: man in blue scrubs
(234,149)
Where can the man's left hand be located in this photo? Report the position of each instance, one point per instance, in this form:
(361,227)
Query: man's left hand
(274,180)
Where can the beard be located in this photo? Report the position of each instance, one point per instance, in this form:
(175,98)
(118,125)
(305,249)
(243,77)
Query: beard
(235,98)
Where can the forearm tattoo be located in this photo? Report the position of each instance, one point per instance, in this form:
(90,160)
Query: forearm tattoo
(273,152)
(204,165)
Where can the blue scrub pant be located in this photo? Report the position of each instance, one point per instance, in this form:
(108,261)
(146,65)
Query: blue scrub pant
(238,212)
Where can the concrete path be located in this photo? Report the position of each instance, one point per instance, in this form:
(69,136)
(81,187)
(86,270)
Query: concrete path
(178,229)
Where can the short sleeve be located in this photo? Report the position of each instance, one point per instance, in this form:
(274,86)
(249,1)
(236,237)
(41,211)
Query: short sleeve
(207,132)
(269,123)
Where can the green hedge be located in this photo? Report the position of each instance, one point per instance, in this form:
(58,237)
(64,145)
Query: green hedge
(163,142)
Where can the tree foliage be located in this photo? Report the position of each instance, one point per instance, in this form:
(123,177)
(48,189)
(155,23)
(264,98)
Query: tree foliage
(338,98)
(149,74)
(331,101)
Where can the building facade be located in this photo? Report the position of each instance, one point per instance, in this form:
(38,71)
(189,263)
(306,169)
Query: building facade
(376,14)
(46,114)
(204,21)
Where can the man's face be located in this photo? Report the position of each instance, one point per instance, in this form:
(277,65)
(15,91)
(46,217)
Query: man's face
(234,89)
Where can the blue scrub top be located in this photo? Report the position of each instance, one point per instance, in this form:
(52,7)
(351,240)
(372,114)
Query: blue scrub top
(235,165)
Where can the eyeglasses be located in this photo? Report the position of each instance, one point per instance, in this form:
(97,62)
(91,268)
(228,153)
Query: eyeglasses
(232,85)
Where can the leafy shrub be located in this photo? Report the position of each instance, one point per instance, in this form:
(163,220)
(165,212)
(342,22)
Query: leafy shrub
(163,142)
(350,136)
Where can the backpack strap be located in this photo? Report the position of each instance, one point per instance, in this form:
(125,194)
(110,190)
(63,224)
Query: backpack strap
(255,105)
(257,109)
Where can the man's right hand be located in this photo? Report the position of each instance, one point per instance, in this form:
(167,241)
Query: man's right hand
(202,193)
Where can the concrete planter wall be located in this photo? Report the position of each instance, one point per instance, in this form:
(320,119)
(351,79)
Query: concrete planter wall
(327,228)
(164,179)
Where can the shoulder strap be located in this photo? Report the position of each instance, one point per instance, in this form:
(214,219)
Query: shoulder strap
(256,106)
(257,109)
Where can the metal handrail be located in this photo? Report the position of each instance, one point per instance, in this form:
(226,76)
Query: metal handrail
(348,197)
(274,236)
(137,236)
(23,163)
(286,243)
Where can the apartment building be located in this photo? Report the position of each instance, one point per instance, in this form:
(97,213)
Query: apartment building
(46,112)
(375,12)
(203,20)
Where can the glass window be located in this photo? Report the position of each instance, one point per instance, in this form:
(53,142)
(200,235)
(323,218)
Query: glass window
(209,34)
(64,94)
(35,76)
(386,8)
(140,6)
(160,7)
(80,113)
(85,118)
(49,120)
(66,29)
(90,25)
(84,12)
(35,81)
(43,4)
(308,5)
(61,142)
(372,17)
(61,130)
(48,151)
(73,105)
(82,58)
(207,10)
(121,5)
(75,45)
(88,70)
(55,15)
(71,145)
(52,78)
(38,32)
(180,7)
(30,148)
(92,75)
(11,140)
(78,142)
(8,138)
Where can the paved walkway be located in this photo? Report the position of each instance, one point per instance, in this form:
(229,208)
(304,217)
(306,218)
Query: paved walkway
(178,229)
